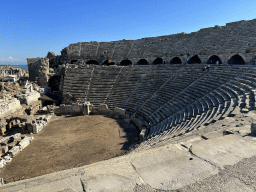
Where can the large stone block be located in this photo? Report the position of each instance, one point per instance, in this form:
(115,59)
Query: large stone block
(9,106)
(30,126)
(119,111)
(24,142)
(253,129)
(2,163)
(7,158)
(2,130)
(102,107)
(14,151)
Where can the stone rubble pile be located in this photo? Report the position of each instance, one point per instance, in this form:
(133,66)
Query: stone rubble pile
(36,126)
(28,95)
(11,146)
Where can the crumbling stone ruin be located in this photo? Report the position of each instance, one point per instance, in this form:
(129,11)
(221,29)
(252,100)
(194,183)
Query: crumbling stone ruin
(11,146)
(139,75)
(18,105)
(166,87)
(8,73)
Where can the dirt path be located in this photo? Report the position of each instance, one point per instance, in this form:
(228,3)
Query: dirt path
(66,142)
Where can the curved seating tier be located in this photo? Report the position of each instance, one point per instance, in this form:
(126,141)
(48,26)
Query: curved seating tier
(172,99)
(232,96)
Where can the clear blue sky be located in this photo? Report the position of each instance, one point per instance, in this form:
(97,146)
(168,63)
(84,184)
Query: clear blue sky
(32,28)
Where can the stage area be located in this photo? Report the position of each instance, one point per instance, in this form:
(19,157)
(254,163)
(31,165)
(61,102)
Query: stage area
(68,142)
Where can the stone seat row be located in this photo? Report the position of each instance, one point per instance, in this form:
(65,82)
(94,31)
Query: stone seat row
(192,117)
(189,94)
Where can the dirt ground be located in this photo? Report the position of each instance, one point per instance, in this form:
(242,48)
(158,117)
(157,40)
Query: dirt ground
(66,142)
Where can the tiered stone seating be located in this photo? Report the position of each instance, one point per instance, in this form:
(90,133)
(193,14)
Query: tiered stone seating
(152,44)
(138,48)
(125,84)
(149,84)
(178,38)
(179,80)
(123,48)
(106,49)
(234,34)
(173,99)
(214,42)
(199,39)
(218,102)
(89,49)
(76,82)
(102,82)
(166,44)
(182,46)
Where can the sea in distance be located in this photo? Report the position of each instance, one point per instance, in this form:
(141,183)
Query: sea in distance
(19,66)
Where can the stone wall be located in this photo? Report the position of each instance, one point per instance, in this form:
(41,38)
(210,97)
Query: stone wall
(9,106)
(33,67)
(74,109)
(223,41)
(38,70)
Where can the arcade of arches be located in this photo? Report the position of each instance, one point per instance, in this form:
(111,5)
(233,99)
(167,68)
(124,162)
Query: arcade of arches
(125,62)
(236,59)
(176,60)
(158,61)
(214,59)
(193,60)
(92,62)
(142,62)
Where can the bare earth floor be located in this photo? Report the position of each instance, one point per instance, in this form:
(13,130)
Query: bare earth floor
(66,142)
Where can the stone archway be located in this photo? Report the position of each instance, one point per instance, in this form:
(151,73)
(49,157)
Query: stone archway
(125,62)
(195,59)
(214,59)
(176,60)
(158,61)
(142,62)
(237,60)
(92,62)
(54,83)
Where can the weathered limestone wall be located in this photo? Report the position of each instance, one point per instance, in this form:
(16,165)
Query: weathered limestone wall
(9,106)
(33,67)
(38,70)
(223,41)
(74,109)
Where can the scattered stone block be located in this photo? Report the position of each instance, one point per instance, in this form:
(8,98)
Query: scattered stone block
(245,110)
(2,163)
(24,142)
(102,107)
(2,130)
(30,126)
(253,129)
(14,151)
(143,134)
(7,158)
(119,111)
(17,137)
(4,149)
